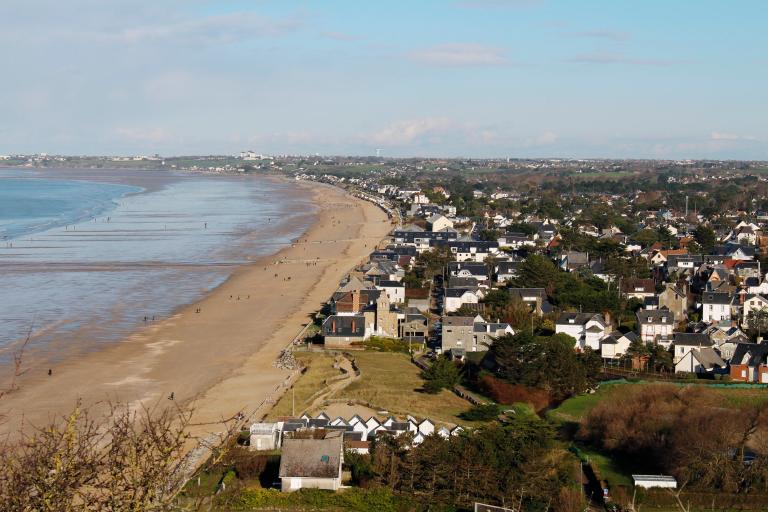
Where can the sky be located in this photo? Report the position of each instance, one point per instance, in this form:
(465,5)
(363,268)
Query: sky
(667,79)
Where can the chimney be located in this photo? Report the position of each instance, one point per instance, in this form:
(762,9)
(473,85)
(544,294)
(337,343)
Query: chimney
(356,301)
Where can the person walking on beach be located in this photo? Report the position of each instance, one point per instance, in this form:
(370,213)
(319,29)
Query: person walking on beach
(171,396)
(50,372)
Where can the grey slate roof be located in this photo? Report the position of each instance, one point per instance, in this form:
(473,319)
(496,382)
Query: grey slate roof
(692,339)
(312,458)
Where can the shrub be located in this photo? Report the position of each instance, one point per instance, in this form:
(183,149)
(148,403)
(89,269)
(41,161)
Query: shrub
(483,412)
(508,394)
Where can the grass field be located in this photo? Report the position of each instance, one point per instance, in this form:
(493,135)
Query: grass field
(390,381)
(319,369)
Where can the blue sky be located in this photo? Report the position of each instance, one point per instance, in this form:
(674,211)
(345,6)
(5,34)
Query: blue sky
(480,78)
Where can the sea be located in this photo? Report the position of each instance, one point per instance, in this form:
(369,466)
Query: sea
(85,261)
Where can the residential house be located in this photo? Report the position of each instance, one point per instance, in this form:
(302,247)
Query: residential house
(656,326)
(414,328)
(700,361)
(417,298)
(574,260)
(506,270)
(535,298)
(312,463)
(638,288)
(473,250)
(586,328)
(716,307)
(394,290)
(458,332)
(752,304)
(341,330)
(684,342)
(484,334)
(439,222)
(750,363)
(675,300)
(478,271)
(725,339)
(616,344)
(456,297)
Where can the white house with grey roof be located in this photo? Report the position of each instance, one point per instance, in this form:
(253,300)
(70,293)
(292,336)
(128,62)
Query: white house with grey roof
(656,326)
(716,307)
(586,328)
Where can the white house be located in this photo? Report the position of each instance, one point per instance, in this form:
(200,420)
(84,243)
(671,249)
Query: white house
(616,344)
(437,222)
(656,326)
(753,303)
(457,297)
(586,328)
(394,290)
(716,307)
(703,360)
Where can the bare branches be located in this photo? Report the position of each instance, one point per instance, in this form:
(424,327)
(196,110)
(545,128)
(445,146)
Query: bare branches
(18,366)
(125,459)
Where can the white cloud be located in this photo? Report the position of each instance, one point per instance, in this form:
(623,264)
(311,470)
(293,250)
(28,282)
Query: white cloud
(222,29)
(340,36)
(730,136)
(613,35)
(498,4)
(460,54)
(608,58)
(144,135)
(411,132)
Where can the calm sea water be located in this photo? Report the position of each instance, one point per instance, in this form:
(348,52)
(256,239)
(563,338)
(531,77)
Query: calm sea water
(82,263)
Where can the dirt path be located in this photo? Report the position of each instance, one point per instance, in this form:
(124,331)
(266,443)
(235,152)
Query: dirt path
(345,366)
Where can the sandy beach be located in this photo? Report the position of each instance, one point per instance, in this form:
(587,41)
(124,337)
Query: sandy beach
(220,358)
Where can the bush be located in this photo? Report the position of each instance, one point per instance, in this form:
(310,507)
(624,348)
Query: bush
(508,394)
(443,373)
(483,412)
(386,345)
(362,500)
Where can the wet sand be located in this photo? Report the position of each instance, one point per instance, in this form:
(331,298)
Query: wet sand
(220,359)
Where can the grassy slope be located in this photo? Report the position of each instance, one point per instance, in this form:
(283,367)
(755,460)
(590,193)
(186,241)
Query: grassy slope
(320,368)
(390,381)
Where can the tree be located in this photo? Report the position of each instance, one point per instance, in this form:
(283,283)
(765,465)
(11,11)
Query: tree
(441,374)
(545,362)
(705,237)
(757,322)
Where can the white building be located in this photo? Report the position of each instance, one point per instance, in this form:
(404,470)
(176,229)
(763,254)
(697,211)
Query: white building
(457,297)
(716,307)
(656,326)
(586,328)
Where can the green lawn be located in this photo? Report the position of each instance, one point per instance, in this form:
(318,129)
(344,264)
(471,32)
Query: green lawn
(576,408)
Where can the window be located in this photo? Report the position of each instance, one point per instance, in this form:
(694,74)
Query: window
(744,373)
